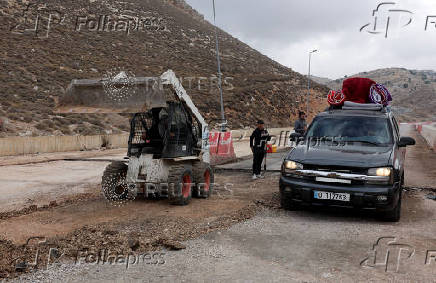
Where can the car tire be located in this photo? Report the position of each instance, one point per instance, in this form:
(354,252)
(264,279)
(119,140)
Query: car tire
(181,181)
(287,203)
(204,180)
(114,184)
(393,215)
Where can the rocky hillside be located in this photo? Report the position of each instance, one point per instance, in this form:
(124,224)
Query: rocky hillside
(89,38)
(413,91)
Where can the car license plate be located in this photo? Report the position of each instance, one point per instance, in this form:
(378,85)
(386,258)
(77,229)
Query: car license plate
(331,196)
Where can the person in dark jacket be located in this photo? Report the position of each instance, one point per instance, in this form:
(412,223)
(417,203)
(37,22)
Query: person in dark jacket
(258,140)
(300,126)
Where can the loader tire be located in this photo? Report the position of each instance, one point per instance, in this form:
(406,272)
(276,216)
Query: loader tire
(204,180)
(180,182)
(114,185)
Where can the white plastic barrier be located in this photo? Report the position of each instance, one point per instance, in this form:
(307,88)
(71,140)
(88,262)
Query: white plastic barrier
(429,134)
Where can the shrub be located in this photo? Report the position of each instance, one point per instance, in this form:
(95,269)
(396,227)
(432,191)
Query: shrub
(28,119)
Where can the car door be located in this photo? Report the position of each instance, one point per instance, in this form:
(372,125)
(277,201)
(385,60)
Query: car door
(400,152)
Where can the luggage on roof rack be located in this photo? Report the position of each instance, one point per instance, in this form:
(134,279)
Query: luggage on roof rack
(361,91)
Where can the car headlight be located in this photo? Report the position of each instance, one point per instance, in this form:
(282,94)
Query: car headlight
(380,172)
(290,165)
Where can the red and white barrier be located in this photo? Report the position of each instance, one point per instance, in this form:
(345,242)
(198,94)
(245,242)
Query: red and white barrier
(221,148)
(418,126)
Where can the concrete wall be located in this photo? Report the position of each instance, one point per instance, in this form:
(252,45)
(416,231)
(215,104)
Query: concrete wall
(429,134)
(48,144)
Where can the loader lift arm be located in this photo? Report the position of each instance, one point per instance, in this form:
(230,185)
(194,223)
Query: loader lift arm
(169,78)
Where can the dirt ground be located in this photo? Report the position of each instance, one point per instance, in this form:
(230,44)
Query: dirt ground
(87,221)
(93,222)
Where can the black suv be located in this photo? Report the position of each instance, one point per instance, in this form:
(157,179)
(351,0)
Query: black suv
(348,158)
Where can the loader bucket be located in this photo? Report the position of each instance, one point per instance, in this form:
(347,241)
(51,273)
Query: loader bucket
(120,94)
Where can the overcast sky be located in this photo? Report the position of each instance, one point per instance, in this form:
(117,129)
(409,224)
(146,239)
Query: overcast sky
(285,30)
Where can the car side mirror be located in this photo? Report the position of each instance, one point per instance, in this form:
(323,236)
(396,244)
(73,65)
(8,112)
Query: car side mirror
(406,141)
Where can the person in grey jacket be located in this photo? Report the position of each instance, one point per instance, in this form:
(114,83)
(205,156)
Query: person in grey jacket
(300,125)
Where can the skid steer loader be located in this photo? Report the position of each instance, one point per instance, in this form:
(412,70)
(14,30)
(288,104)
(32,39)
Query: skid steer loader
(168,147)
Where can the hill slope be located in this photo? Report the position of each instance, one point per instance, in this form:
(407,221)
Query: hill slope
(171,35)
(413,91)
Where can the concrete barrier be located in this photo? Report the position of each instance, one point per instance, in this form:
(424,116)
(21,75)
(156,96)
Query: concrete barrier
(429,134)
(49,144)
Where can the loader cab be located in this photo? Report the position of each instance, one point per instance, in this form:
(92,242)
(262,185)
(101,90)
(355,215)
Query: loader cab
(167,132)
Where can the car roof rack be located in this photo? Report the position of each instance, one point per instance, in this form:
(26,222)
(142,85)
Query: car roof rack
(348,105)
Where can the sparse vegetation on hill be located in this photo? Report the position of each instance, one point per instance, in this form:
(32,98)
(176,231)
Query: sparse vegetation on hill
(36,69)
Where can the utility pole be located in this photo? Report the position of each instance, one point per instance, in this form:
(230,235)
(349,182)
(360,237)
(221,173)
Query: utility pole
(308,82)
(223,117)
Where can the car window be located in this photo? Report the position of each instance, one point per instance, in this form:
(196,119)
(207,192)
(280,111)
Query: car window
(352,129)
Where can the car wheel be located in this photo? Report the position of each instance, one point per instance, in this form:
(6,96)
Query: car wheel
(181,181)
(204,180)
(393,215)
(287,203)
(114,184)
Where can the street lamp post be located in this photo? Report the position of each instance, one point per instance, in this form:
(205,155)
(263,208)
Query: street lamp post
(223,117)
(308,82)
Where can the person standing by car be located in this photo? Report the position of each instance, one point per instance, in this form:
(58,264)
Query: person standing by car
(258,140)
(300,125)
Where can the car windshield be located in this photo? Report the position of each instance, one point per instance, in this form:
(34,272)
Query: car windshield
(370,130)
